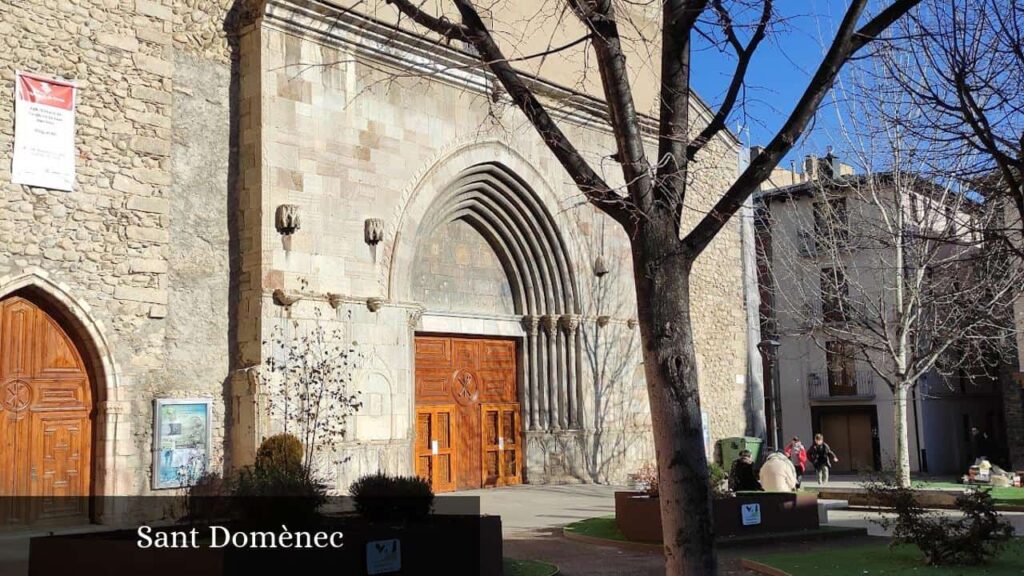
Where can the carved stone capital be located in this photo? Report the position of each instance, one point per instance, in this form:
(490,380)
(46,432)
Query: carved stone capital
(549,322)
(530,324)
(603,321)
(632,323)
(113,407)
(374,304)
(570,323)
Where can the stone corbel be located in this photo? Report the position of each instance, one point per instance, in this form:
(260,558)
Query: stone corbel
(287,220)
(373,231)
(282,298)
(335,300)
(603,321)
(415,315)
(374,303)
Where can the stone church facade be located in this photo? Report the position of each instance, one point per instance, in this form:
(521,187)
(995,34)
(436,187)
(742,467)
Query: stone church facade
(435,231)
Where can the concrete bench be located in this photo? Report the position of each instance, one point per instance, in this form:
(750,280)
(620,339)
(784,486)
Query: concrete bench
(825,505)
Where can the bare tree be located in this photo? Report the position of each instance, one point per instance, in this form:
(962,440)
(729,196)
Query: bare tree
(962,63)
(895,269)
(902,284)
(650,208)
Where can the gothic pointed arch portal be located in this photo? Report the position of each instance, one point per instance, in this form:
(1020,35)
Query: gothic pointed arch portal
(524,236)
(487,242)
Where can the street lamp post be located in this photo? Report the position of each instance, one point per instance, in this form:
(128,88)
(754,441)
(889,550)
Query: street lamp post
(769,350)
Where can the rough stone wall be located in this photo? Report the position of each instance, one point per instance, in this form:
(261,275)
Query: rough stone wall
(142,239)
(346,142)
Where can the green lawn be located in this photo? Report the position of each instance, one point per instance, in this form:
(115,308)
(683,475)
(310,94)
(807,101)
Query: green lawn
(602,527)
(528,568)
(878,559)
(1002,495)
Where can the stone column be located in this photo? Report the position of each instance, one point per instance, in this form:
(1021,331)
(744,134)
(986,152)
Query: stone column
(570,324)
(578,384)
(530,325)
(550,324)
(540,365)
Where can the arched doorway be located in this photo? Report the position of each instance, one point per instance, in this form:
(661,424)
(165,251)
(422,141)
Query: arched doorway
(498,350)
(46,411)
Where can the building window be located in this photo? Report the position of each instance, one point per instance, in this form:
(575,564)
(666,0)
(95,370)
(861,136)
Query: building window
(841,369)
(835,295)
(831,223)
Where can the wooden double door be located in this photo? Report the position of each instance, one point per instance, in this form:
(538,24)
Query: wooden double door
(468,430)
(850,436)
(45,418)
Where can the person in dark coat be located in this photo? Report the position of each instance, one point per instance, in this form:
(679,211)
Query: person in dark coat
(981,445)
(741,476)
(822,457)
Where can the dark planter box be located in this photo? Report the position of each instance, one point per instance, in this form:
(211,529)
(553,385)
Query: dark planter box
(639,516)
(474,544)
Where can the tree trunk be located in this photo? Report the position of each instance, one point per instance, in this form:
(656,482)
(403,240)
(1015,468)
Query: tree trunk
(902,442)
(663,301)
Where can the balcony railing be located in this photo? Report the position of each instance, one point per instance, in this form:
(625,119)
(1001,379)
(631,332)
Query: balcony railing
(859,386)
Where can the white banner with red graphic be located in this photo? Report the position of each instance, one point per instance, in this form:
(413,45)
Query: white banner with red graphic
(44,132)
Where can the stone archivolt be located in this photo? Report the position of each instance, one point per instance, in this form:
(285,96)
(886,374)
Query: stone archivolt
(514,221)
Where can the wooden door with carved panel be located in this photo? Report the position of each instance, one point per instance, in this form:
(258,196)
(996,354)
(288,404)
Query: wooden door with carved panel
(502,450)
(460,376)
(45,417)
(435,446)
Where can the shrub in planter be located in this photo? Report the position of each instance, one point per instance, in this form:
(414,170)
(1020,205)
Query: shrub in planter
(979,535)
(647,478)
(383,497)
(718,480)
(279,488)
(282,451)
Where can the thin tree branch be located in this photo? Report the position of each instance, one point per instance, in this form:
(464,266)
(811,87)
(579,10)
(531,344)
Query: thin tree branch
(846,43)
(743,54)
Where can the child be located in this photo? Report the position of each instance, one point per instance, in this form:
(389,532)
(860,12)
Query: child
(822,456)
(797,454)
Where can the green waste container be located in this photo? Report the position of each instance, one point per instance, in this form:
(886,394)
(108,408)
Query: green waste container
(729,449)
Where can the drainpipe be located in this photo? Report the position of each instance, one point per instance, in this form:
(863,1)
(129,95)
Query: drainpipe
(752,299)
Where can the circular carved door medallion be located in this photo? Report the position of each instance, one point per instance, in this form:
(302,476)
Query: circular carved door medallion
(465,387)
(17,396)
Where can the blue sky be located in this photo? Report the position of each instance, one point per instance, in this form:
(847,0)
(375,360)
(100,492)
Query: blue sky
(779,72)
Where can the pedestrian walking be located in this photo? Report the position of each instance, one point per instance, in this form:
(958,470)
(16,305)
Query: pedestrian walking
(797,454)
(822,456)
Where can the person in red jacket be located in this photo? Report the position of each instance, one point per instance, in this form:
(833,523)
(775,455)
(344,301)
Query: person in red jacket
(797,454)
